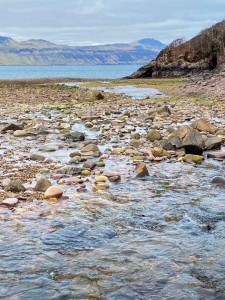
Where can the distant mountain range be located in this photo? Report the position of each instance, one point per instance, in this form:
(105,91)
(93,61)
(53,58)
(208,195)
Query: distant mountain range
(42,52)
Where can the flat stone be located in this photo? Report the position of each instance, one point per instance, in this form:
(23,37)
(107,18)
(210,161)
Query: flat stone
(37,157)
(10,202)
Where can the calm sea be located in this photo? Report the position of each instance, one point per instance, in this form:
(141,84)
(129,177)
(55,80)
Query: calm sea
(99,71)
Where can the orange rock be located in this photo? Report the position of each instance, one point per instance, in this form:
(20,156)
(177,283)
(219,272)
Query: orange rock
(53,192)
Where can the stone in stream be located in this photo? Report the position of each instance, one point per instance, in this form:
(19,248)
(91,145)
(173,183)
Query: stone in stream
(53,192)
(219,180)
(74,136)
(164,109)
(193,158)
(69,170)
(13,127)
(141,170)
(37,157)
(154,135)
(15,187)
(160,152)
(204,125)
(6,182)
(213,143)
(74,180)
(101,179)
(188,138)
(42,184)
(20,133)
(10,202)
(216,154)
(89,165)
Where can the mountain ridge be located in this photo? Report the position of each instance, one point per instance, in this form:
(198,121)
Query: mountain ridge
(43,52)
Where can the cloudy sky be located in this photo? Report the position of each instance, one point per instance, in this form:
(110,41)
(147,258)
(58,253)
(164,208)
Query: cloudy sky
(85,22)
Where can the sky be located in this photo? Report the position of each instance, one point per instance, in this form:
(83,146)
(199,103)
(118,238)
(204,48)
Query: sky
(92,22)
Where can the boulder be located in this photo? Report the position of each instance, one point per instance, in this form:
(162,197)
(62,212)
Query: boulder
(98,95)
(204,125)
(188,138)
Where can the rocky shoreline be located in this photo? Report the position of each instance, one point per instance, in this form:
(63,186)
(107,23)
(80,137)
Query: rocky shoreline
(60,144)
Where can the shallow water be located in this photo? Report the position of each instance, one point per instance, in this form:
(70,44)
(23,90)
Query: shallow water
(132,91)
(161,237)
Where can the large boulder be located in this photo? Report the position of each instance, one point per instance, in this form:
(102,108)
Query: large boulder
(204,125)
(188,138)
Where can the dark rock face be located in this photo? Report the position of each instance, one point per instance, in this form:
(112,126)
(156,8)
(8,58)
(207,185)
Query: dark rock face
(204,52)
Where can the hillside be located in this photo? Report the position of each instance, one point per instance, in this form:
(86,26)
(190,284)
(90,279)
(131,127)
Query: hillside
(41,52)
(204,52)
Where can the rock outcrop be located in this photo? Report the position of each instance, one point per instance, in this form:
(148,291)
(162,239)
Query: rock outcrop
(204,52)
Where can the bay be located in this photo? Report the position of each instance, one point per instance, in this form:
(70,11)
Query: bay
(93,71)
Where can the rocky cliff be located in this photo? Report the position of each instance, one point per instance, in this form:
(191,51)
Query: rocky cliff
(204,52)
(41,52)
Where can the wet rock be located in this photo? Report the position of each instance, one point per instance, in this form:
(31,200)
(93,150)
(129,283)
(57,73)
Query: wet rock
(141,170)
(53,192)
(42,184)
(216,154)
(74,180)
(101,179)
(193,158)
(160,152)
(69,170)
(88,125)
(86,173)
(20,133)
(154,135)
(136,136)
(76,160)
(160,110)
(75,153)
(10,202)
(37,157)
(15,187)
(89,165)
(213,143)
(219,180)
(13,127)
(90,147)
(6,182)
(115,178)
(204,125)
(188,138)
(74,136)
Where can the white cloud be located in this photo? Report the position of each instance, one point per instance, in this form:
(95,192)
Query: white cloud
(106,21)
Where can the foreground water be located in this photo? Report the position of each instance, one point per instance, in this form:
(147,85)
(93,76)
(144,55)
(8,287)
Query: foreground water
(161,237)
(98,71)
